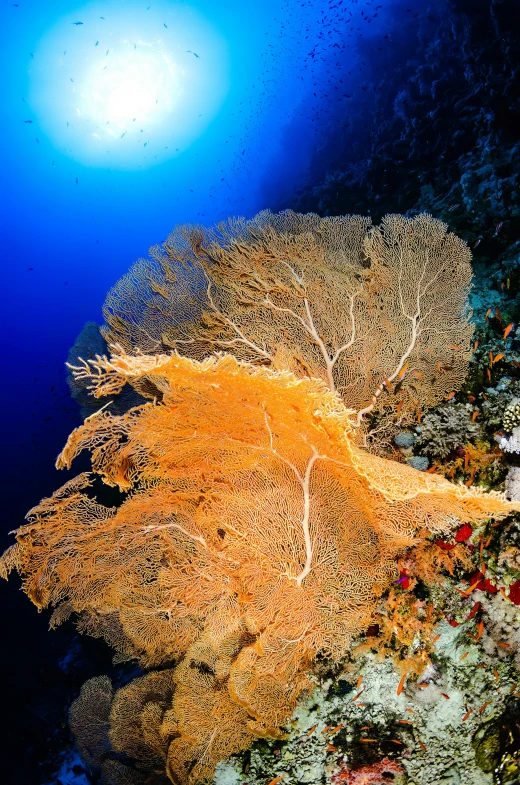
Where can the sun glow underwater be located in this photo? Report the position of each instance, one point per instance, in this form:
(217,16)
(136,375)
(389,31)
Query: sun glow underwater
(128,87)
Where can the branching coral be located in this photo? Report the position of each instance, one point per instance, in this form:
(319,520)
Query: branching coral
(449,427)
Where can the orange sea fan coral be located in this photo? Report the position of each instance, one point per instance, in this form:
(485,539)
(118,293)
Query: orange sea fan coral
(249,503)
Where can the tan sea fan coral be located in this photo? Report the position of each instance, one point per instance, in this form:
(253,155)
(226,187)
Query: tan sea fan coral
(364,308)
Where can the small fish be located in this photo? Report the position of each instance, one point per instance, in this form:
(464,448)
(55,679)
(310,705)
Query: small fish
(434,640)
(488,312)
(359,682)
(474,611)
(396,741)
(405,722)
(475,346)
(488,374)
(331,747)
(421,745)
(369,741)
(446,697)
(484,706)
(508,330)
(464,655)
(495,673)
(97,42)
(471,588)
(77,181)
(455,347)
(102,17)
(450,396)
(27,121)
(276,780)
(165,25)
(467,715)
(498,357)
(311,731)
(76,23)
(499,227)
(477,242)
(475,415)
(336,729)
(402,372)
(388,383)
(123,134)
(504,645)
(400,686)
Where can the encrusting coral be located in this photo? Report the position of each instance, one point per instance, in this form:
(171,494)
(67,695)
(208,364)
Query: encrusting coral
(256,532)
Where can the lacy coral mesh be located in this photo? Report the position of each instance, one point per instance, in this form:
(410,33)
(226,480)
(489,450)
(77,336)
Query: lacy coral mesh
(330,298)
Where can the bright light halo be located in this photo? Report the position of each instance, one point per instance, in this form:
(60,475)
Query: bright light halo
(125,89)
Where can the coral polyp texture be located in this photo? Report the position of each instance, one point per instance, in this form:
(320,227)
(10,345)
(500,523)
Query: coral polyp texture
(256,531)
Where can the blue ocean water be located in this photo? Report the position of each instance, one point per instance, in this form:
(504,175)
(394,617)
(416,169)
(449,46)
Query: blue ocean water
(209,110)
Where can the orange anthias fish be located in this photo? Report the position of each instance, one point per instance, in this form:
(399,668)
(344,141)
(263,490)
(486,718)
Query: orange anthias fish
(402,372)
(508,330)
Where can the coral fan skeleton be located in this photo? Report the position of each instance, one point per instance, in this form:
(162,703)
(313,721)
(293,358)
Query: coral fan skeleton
(257,530)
